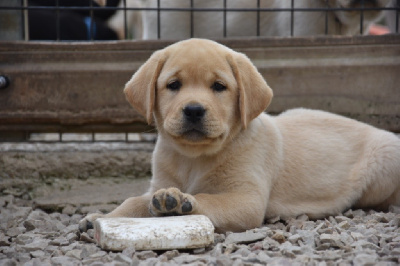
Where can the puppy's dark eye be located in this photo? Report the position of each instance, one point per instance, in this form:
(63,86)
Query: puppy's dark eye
(218,86)
(174,85)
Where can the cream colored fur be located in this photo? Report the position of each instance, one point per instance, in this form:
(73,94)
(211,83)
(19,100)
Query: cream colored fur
(245,166)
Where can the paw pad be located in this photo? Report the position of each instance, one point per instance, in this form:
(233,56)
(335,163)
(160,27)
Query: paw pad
(170,203)
(186,206)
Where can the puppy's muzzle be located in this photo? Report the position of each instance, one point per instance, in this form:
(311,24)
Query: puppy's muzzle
(194,117)
(194,113)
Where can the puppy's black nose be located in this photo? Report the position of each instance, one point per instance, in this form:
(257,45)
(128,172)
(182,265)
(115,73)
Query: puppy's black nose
(194,113)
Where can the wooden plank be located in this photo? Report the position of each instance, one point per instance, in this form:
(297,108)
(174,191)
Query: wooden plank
(78,86)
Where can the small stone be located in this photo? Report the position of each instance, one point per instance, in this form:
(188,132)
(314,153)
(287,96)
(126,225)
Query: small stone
(363,244)
(217,250)
(36,244)
(39,215)
(71,237)
(344,225)
(170,254)
(73,228)
(308,237)
(15,231)
(270,244)
(308,225)
(130,251)
(263,258)
(231,248)
(218,238)
(8,262)
(88,250)
(289,248)
(187,259)
(64,260)
(279,237)
(23,257)
(273,220)
(86,238)
(294,238)
(75,253)
(38,262)
(380,218)
(43,225)
(332,239)
(357,236)
(395,222)
(303,217)
(365,259)
(246,237)
(346,239)
(26,238)
(198,250)
(144,255)
(359,212)
(394,209)
(340,219)
(90,232)
(349,214)
(123,258)
(244,252)
(69,209)
(98,254)
(60,241)
(4,240)
(21,212)
(38,254)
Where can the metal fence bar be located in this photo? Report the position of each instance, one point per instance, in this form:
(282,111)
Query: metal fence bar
(292,18)
(397,16)
(362,17)
(158,20)
(125,21)
(91,27)
(26,24)
(225,9)
(191,19)
(326,17)
(58,21)
(258,18)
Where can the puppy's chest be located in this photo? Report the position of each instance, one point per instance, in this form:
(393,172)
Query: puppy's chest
(195,178)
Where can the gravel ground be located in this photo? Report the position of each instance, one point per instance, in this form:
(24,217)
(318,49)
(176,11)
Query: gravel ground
(45,189)
(31,236)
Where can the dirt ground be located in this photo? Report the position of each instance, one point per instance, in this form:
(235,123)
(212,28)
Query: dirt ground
(75,177)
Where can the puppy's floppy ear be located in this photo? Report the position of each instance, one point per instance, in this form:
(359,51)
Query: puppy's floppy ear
(254,93)
(140,90)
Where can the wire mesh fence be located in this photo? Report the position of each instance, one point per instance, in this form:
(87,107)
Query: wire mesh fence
(176,19)
(92,20)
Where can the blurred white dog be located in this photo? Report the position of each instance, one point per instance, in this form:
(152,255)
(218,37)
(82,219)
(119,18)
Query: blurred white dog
(210,24)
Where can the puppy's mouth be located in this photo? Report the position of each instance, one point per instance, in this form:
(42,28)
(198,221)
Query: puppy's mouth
(194,135)
(194,132)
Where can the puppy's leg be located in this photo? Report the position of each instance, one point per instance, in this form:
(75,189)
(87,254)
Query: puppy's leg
(381,172)
(227,211)
(131,207)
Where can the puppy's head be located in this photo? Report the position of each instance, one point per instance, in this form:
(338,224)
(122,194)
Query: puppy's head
(200,93)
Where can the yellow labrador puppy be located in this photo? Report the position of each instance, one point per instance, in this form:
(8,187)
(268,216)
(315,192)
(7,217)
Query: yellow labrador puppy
(219,155)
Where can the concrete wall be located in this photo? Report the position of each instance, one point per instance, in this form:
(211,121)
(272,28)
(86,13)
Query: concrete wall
(78,86)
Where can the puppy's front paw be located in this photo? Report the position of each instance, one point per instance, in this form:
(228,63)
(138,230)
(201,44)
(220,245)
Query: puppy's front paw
(171,201)
(87,222)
